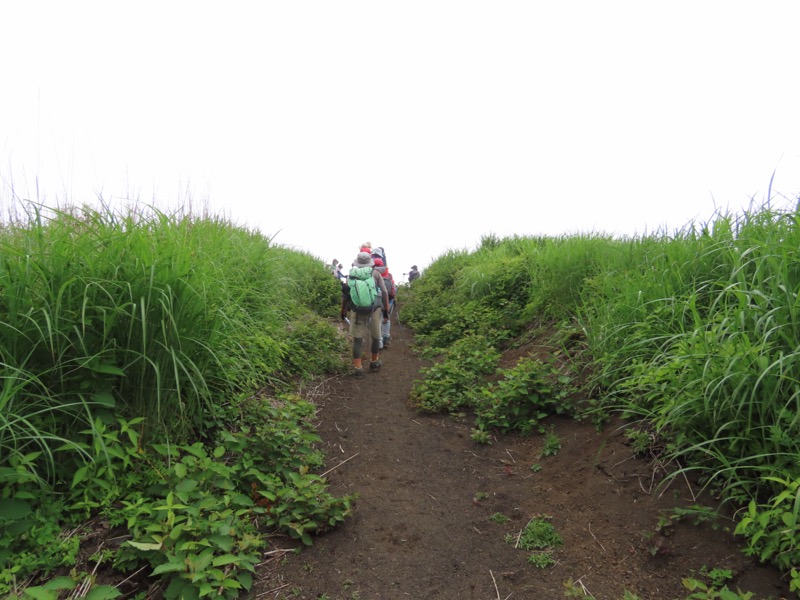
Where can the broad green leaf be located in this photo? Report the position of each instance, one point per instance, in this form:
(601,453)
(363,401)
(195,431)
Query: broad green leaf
(181,589)
(103,592)
(169,567)
(13,510)
(246,579)
(15,528)
(224,542)
(176,532)
(243,500)
(60,583)
(39,593)
(145,545)
(206,589)
(196,450)
(104,398)
(108,369)
(186,485)
(225,559)
(7,473)
(80,475)
(198,564)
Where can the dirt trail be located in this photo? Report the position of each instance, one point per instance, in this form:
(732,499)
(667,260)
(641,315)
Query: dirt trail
(421,526)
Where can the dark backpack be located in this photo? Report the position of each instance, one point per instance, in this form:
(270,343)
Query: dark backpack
(390,286)
(388,281)
(362,292)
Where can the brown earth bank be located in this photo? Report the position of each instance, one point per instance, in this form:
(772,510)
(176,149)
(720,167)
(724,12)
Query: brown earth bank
(428,520)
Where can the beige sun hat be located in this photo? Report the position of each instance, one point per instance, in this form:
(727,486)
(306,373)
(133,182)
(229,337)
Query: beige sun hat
(363,260)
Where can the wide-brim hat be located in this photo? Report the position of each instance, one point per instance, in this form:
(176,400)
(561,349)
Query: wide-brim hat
(363,260)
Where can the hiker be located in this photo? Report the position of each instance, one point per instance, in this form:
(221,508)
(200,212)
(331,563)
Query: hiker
(334,267)
(382,265)
(379,252)
(413,274)
(364,300)
(339,273)
(391,289)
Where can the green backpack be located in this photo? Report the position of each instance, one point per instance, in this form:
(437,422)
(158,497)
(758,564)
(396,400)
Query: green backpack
(363,291)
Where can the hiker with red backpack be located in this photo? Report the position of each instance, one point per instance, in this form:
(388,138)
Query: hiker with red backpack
(391,288)
(363,295)
(382,265)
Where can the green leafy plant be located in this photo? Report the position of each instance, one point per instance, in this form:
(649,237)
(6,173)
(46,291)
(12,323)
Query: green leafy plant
(541,560)
(771,530)
(115,465)
(703,591)
(449,384)
(197,530)
(32,541)
(717,577)
(640,440)
(200,527)
(540,537)
(498,518)
(53,589)
(552,444)
(526,394)
(481,436)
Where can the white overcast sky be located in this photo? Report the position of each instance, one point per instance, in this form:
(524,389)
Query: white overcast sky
(421,126)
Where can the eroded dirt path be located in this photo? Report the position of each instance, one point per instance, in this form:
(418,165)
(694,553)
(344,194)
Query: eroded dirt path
(425,525)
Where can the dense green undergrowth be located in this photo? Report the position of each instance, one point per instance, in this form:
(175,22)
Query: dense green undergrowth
(692,336)
(149,363)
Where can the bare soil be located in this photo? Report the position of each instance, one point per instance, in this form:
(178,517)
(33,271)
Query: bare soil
(425,524)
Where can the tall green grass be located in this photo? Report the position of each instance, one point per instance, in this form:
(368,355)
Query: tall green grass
(696,332)
(143,314)
(703,341)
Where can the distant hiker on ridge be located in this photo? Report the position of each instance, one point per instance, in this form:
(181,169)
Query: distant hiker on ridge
(413,274)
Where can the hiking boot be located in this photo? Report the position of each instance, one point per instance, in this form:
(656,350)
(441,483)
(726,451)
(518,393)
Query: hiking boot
(358,372)
(375,365)
(386,341)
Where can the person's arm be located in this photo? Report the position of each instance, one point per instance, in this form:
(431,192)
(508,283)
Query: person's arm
(384,293)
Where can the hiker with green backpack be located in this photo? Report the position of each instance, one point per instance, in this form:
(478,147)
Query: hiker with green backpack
(363,295)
